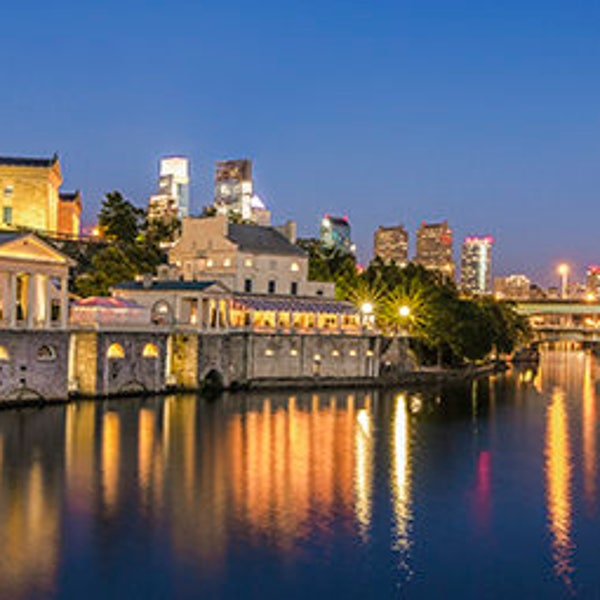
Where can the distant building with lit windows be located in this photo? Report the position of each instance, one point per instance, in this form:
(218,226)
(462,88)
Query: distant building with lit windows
(30,197)
(476,265)
(336,234)
(514,287)
(246,258)
(391,244)
(434,248)
(592,281)
(172,200)
(234,193)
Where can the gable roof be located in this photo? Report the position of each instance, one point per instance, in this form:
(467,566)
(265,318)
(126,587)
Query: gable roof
(265,240)
(30,247)
(25,161)
(168,285)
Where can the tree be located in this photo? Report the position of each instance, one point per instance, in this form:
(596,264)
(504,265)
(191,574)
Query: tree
(120,219)
(109,266)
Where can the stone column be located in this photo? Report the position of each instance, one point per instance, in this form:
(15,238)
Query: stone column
(12,300)
(64,302)
(48,314)
(31,300)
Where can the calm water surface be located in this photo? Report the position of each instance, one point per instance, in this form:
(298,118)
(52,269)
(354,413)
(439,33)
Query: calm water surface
(487,490)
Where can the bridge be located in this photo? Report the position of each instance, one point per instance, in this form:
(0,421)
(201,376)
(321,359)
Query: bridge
(562,320)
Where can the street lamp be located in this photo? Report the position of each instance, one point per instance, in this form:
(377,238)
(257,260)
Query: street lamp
(366,309)
(404,311)
(563,271)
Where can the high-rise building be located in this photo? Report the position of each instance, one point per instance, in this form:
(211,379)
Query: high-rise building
(476,265)
(513,287)
(434,247)
(592,282)
(336,234)
(174,181)
(234,193)
(391,244)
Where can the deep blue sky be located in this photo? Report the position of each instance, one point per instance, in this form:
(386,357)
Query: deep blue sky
(486,113)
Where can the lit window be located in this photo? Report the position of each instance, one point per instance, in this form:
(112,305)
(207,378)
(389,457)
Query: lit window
(335,353)
(369,352)
(150,351)
(248,262)
(4,355)
(293,352)
(227,262)
(209,263)
(352,353)
(115,351)
(269,352)
(295,267)
(317,357)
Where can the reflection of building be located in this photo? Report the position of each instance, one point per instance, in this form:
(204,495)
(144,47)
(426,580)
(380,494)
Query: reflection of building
(434,247)
(335,234)
(476,263)
(234,193)
(391,244)
(173,197)
(30,198)
(246,258)
(512,287)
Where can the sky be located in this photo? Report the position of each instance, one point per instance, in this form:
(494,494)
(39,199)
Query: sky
(481,112)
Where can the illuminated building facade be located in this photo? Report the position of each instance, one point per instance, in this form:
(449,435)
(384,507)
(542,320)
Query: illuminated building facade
(234,193)
(336,234)
(391,244)
(512,287)
(434,247)
(476,265)
(174,181)
(246,258)
(30,197)
(592,281)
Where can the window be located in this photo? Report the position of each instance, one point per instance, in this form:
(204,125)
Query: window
(150,351)
(295,267)
(273,265)
(8,191)
(4,354)
(7,215)
(248,262)
(46,353)
(115,351)
(248,285)
(294,288)
(272,286)
(209,263)
(227,262)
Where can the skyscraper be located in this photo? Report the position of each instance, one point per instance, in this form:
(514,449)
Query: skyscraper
(234,192)
(174,181)
(434,247)
(391,244)
(476,265)
(335,234)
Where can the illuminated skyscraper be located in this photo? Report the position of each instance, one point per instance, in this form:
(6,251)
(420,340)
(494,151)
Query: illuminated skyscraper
(174,181)
(335,234)
(592,281)
(391,244)
(234,193)
(476,265)
(434,247)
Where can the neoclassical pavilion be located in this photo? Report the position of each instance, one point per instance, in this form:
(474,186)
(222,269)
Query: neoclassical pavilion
(33,283)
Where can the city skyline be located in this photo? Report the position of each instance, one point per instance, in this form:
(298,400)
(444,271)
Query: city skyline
(485,116)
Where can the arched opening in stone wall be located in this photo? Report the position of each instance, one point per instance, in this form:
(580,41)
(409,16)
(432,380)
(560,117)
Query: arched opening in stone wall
(162,313)
(46,353)
(115,351)
(214,382)
(150,351)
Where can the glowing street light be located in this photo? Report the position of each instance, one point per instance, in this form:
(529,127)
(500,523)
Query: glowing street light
(563,270)
(366,308)
(404,311)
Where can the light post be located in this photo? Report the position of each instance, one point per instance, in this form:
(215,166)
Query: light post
(404,313)
(366,309)
(563,271)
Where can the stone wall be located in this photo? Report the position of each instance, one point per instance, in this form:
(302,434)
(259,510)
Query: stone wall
(33,365)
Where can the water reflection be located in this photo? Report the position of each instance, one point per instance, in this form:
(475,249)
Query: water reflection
(401,480)
(558,486)
(590,425)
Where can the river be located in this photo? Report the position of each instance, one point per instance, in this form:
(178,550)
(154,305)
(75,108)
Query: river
(482,490)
